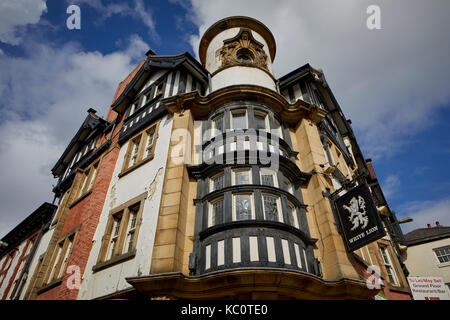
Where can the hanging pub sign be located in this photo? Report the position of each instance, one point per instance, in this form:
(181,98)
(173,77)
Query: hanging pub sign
(359,219)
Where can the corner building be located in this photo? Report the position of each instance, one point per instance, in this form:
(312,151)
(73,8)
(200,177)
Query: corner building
(216,182)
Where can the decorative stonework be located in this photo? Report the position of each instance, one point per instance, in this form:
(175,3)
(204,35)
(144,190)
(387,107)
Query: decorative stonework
(243,50)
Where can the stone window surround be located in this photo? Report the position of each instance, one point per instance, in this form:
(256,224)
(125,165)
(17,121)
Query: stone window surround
(119,255)
(85,180)
(64,240)
(402,285)
(142,136)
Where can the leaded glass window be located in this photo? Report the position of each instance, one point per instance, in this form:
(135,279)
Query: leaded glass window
(243,207)
(217,182)
(271,208)
(242,177)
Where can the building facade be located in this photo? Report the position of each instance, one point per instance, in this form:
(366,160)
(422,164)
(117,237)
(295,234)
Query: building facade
(428,252)
(214,180)
(18,251)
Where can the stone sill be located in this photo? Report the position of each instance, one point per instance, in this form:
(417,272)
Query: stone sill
(113,261)
(73,204)
(49,286)
(136,165)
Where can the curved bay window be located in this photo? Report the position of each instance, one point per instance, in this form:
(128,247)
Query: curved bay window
(249,214)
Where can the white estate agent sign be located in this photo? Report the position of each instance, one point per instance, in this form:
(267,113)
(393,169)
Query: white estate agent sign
(428,288)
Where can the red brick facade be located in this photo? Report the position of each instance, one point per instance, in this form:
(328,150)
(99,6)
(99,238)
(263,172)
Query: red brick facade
(86,213)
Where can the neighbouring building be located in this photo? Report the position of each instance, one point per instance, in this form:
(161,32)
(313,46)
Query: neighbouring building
(428,252)
(19,247)
(216,180)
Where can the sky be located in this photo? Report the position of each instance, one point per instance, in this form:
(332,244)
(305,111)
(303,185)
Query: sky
(392,82)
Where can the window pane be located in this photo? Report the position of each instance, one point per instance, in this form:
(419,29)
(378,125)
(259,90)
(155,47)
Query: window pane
(149,145)
(242,177)
(267,180)
(130,241)
(243,207)
(277,129)
(117,226)
(134,153)
(260,122)
(218,125)
(292,216)
(239,120)
(217,183)
(217,212)
(270,208)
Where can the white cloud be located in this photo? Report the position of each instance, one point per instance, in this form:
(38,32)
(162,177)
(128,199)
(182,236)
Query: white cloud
(390,82)
(45,99)
(391,186)
(425,212)
(15,15)
(139,12)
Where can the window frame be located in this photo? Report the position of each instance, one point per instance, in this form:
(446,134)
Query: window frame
(142,156)
(265,172)
(252,206)
(211,213)
(278,204)
(212,180)
(389,264)
(445,255)
(221,117)
(121,251)
(85,181)
(238,111)
(245,169)
(293,208)
(265,114)
(59,259)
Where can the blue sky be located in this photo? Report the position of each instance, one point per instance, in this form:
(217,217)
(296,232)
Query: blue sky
(393,83)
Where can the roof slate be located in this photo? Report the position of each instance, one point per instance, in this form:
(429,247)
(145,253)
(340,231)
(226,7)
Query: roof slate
(422,235)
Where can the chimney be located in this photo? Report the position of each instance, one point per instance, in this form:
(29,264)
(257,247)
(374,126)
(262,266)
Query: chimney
(428,225)
(370,167)
(438,225)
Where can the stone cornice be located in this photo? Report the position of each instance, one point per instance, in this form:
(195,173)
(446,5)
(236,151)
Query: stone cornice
(202,105)
(282,282)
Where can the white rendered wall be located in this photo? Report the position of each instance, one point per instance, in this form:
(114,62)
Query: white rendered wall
(236,75)
(11,269)
(421,260)
(112,279)
(241,75)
